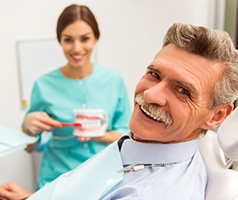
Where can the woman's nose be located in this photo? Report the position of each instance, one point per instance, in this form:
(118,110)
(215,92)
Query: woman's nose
(77,46)
(157,94)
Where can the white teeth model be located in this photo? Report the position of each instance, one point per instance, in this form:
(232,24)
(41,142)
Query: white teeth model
(91,123)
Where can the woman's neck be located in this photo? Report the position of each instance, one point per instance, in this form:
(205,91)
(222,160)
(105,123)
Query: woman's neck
(76,73)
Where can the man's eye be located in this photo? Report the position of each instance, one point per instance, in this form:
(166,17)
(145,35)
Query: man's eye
(184,92)
(155,75)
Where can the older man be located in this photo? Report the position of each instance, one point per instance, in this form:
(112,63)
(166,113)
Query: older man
(187,89)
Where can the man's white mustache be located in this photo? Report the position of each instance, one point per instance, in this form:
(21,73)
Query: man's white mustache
(154,111)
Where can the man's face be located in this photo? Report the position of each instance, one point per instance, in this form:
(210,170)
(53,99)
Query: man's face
(172,99)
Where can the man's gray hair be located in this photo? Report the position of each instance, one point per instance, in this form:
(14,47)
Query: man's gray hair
(214,45)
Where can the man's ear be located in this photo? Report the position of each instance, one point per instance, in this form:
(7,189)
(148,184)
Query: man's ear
(218,115)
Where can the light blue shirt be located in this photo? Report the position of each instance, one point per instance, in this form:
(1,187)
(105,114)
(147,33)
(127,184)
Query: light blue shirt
(58,96)
(182,178)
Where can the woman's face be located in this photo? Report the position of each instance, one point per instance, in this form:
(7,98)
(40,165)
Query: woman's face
(77,41)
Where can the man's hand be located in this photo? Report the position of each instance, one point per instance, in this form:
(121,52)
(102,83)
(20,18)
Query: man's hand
(12,191)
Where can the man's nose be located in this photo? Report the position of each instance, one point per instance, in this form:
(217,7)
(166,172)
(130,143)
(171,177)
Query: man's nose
(157,94)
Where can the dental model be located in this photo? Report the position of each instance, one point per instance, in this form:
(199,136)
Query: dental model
(90,122)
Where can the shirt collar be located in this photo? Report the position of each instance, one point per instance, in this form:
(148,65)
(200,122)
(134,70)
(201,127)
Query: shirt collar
(134,152)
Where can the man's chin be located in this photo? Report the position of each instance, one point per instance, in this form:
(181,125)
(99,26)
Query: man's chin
(144,139)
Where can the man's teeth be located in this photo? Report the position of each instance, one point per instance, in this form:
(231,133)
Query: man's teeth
(150,114)
(153,111)
(150,111)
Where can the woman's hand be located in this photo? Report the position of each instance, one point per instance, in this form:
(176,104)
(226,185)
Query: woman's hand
(12,191)
(37,122)
(83,139)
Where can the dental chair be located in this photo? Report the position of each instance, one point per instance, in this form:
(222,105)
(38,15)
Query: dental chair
(220,151)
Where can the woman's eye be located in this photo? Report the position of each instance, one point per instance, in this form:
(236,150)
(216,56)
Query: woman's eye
(67,40)
(84,39)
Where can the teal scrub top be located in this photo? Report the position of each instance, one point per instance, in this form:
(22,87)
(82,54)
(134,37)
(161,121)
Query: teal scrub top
(58,96)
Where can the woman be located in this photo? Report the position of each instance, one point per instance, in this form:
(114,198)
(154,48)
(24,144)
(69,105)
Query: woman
(78,84)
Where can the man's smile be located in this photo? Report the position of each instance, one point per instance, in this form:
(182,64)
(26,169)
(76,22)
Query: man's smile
(153,111)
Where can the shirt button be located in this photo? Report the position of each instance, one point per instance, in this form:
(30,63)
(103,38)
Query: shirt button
(85,145)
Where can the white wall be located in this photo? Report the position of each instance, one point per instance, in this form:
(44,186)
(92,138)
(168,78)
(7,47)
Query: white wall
(131,34)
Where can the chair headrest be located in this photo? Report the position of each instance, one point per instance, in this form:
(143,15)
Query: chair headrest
(228,135)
